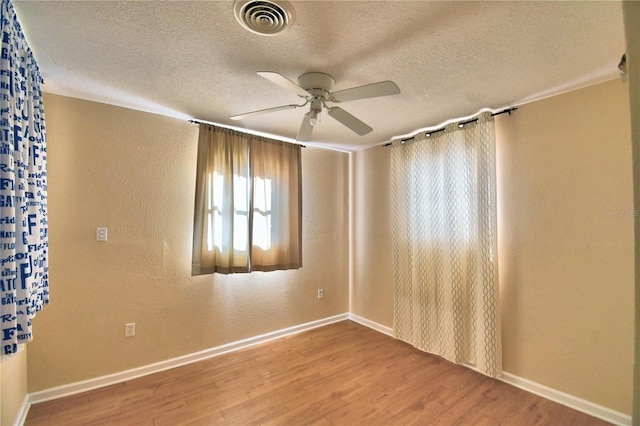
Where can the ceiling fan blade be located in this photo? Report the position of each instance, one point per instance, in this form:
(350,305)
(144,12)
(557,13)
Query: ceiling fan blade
(349,120)
(382,88)
(305,129)
(283,81)
(263,111)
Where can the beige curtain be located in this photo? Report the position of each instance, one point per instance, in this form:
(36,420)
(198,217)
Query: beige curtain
(445,273)
(248,207)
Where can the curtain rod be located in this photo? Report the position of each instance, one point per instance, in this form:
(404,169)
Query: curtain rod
(234,128)
(461,125)
(506,111)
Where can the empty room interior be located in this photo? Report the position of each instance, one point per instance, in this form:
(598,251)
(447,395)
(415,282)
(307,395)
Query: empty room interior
(533,269)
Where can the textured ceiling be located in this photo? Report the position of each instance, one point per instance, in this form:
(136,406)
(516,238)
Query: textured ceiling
(450,59)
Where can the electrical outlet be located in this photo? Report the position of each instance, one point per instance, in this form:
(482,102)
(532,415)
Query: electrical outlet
(101,234)
(130,329)
(320,293)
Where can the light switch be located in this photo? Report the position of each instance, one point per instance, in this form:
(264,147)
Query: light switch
(130,329)
(101,234)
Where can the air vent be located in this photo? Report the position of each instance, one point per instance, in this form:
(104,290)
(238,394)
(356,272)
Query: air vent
(264,17)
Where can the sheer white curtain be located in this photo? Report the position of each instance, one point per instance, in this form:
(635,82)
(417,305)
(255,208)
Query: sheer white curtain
(446,298)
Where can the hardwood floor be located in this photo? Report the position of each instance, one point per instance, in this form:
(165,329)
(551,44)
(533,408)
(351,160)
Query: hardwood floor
(342,374)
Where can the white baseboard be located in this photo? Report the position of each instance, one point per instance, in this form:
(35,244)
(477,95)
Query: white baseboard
(571,401)
(371,324)
(22,413)
(98,382)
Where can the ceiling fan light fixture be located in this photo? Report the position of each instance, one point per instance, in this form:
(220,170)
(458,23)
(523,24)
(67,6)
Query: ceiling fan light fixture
(315,111)
(314,117)
(264,17)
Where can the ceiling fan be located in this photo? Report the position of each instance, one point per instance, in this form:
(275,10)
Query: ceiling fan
(315,88)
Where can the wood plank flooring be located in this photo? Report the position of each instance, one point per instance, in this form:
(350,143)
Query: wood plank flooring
(341,374)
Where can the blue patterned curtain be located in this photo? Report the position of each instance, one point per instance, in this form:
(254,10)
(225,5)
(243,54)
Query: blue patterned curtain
(24,281)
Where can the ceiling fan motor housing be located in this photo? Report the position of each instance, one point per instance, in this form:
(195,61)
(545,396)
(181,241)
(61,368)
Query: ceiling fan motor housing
(317,83)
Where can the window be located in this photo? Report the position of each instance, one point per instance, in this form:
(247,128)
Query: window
(248,207)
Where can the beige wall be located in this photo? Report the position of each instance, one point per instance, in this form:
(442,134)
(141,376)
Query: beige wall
(566,267)
(134,173)
(566,243)
(13,387)
(631,11)
(372,290)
